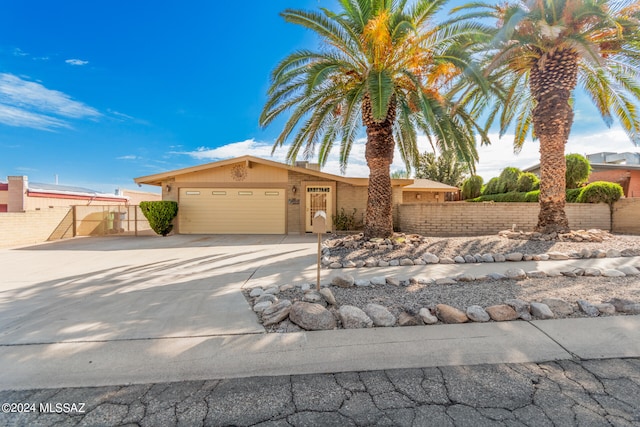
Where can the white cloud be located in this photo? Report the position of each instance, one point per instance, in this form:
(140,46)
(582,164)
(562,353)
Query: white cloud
(127,157)
(79,62)
(28,104)
(19,52)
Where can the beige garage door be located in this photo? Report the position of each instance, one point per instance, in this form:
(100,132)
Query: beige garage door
(232,211)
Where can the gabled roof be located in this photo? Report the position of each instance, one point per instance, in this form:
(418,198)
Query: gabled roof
(157,179)
(421,184)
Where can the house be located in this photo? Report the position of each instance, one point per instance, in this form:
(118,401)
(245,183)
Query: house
(621,168)
(247,195)
(18,194)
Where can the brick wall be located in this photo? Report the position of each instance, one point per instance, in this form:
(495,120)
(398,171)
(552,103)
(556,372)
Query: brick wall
(23,228)
(469,219)
(626,216)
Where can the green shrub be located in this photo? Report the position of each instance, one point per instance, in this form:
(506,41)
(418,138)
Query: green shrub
(472,187)
(509,179)
(160,214)
(578,170)
(600,192)
(529,197)
(344,221)
(492,187)
(528,182)
(532,196)
(572,195)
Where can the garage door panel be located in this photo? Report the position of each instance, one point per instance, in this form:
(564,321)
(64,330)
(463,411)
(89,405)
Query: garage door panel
(232,211)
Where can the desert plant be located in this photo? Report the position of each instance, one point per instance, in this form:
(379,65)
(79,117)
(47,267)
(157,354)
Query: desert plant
(344,221)
(509,179)
(528,182)
(578,170)
(160,214)
(600,192)
(472,187)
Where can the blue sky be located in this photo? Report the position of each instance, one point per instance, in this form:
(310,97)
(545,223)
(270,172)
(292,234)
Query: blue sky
(101,92)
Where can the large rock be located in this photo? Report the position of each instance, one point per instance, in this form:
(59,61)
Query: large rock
(276,312)
(619,303)
(499,258)
(605,308)
(354,318)
(406,319)
(501,313)
(470,259)
(521,307)
(477,314)
(256,292)
(266,297)
(379,280)
(514,256)
(487,258)
(362,283)
(406,262)
(613,253)
(343,280)
(313,296)
(449,314)
(536,274)
(328,296)
(588,308)
(380,315)
(465,277)
(613,273)
(446,281)
(447,260)
(261,306)
(629,270)
(459,260)
(312,317)
(515,273)
(430,258)
(427,317)
(559,306)
(541,311)
(557,255)
(592,272)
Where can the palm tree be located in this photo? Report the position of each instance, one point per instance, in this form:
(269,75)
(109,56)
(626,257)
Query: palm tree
(382,65)
(541,50)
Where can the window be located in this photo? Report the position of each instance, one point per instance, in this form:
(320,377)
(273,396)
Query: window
(192,193)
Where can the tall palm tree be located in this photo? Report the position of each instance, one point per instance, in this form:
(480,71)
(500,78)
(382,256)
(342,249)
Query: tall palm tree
(385,66)
(543,49)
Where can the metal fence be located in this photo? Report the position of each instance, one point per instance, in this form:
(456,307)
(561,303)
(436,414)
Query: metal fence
(109,220)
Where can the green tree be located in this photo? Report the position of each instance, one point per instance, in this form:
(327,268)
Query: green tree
(444,168)
(528,182)
(400,174)
(578,170)
(472,187)
(540,51)
(385,65)
(509,179)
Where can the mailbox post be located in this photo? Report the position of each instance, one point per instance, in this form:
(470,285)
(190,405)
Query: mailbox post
(319,227)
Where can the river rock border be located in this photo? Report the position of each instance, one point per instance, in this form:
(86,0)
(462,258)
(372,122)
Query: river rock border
(312,313)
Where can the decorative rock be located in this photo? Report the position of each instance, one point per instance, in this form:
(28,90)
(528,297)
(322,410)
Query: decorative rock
(599,253)
(378,280)
(313,296)
(629,270)
(478,257)
(446,260)
(578,271)
(477,314)
(419,261)
(521,308)
(465,277)
(633,308)
(499,258)
(588,308)
(592,272)
(360,283)
(613,273)
(487,258)
(496,276)
(392,281)
(559,306)
(536,257)
(380,315)
(605,308)
(354,318)
(274,290)
(557,255)
(501,313)
(312,317)
(430,258)
(422,280)
(568,273)
(629,252)
(469,258)
(335,265)
(328,296)
(256,292)
(536,274)
(458,259)
(446,281)
(360,263)
(343,280)
(619,303)
(427,317)
(383,263)
(276,313)
(613,253)
(406,319)
(543,257)
(266,297)
(541,311)
(349,264)
(406,262)
(449,314)
(527,257)
(371,262)
(287,327)
(394,263)
(586,253)
(515,273)
(261,306)
(285,288)
(513,256)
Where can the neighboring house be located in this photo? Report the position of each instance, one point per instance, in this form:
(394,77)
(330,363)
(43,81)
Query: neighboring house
(621,168)
(20,195)
(252,195)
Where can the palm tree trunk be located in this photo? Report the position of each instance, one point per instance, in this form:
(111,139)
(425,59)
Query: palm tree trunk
(378,221)
(552,80)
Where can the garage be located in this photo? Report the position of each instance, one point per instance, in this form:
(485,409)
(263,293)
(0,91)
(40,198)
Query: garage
(232,211)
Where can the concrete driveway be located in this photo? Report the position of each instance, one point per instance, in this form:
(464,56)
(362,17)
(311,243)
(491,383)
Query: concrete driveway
(126,288)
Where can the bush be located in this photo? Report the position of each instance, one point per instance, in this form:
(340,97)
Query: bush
(472,187)
(344,221)
(528,182)
(509,179)
(160,214)
(600,192)
(572,195)
(578,170)
(529,197)
(492,187)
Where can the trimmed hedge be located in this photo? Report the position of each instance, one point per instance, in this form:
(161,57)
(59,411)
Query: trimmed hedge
(160,214)
(601,192)
(528,182)
(528,197)
(472,187)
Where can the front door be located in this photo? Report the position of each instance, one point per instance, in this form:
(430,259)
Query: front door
(318,198)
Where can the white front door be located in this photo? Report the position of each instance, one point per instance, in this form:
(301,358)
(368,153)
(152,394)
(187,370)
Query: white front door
(318,198)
